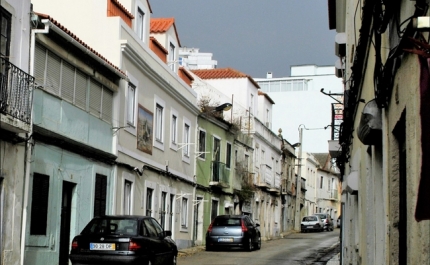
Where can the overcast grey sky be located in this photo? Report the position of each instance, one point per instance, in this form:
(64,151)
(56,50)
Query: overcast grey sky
(254,36)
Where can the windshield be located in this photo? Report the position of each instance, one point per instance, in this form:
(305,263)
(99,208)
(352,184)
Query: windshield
(227,222)
(111,226)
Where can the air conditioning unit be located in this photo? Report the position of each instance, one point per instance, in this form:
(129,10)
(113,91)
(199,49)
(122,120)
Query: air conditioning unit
(339,68)
(340,44)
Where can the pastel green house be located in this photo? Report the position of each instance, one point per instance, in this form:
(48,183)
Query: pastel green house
(214,171)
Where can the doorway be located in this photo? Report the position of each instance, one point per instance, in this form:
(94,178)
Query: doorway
(66,212)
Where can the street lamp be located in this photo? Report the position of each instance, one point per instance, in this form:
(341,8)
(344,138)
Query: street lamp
(223,107)
(299,180)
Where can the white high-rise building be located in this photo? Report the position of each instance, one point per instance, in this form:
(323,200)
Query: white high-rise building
(299,102)
(192,59)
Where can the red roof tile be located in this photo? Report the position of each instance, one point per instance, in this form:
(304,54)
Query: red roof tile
(261,93)
(222,73)
(56,23)
(162,25)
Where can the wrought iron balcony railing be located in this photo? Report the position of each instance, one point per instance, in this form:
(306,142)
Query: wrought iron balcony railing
(220,174)
(16,88)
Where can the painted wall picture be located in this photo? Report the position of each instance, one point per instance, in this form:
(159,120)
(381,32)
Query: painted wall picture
(145,123)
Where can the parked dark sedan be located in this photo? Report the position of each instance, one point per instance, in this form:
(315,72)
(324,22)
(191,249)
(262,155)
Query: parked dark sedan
(233,231)
(123,240)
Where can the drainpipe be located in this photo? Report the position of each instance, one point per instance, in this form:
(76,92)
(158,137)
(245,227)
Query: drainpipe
(28,147)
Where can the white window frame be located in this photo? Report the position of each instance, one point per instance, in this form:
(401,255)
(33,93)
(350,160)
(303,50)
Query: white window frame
(228,163)
(128,197)
(174,129)
(140,23)
(186,149)
(172,57)
(184,213)
(202,153)
(131,104)
(159,123)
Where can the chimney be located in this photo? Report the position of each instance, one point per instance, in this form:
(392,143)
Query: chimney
(269,75)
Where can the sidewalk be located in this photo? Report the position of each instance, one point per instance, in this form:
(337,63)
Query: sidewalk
(335,260)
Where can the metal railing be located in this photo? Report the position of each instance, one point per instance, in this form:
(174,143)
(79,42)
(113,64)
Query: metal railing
(220,173)
(16,87)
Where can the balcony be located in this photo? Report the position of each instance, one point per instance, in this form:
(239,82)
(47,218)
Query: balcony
(265,178)
(334,195)
(220,175)
(16,88)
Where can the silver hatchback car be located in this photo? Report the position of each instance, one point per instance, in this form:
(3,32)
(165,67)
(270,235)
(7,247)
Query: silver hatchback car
(312,223)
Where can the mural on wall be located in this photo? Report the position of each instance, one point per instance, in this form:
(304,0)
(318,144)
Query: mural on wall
(144,130)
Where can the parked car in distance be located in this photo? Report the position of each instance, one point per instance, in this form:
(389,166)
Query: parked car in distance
(233,231)
(328,222)
(311,223)
(123,239)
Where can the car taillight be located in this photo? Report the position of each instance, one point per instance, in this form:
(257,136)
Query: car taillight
(133,246)
(326,221)
(244,227)
(210,228)
(75,244)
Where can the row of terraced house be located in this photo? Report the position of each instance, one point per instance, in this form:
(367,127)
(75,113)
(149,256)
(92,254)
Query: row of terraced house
(98,117)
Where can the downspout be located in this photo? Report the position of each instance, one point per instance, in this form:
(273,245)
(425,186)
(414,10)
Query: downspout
(28,148)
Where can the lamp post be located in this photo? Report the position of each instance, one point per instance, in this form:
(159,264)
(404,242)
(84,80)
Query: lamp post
(299,182)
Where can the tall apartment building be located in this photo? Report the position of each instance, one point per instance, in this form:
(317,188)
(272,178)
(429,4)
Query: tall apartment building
(299,101)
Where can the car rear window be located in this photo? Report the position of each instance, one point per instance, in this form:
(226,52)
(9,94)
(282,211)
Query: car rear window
(227,222)
(310,218)
(111,226)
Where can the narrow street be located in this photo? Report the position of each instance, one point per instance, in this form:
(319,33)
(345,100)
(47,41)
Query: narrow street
(295,249)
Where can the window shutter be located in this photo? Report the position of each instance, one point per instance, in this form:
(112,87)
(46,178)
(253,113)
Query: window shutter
(81,90)
(107,105)
(53,74)
(39,65)
(68,82)
(100,195)
(95,98)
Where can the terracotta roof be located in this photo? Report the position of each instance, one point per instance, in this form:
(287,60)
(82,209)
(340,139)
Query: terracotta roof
(56,23)
(222,73)
(261,93)
(162,25)
(158,44)
(186,73)
(123,9)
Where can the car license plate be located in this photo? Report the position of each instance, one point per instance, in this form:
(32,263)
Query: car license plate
(225,239)
(311,226)
(102,246)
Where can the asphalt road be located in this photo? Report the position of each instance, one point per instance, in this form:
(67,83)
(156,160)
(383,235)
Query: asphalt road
(295,249)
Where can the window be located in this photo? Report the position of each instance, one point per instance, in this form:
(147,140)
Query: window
(127,197)
(228,156)
(170,212)
(100,195)
(202,144)
(5,33)
(159,123)
(140,24)
(186,149)
(149,192)
(172,56)
(131,103)
(72,85)
(39,204)
(184,213)
(163,209)
(214,210)
(322,182)
(174,129)
(247,162)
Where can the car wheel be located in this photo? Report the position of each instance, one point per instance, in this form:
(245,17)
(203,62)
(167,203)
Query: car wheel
(258,244)
(174,261)
(249,246)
